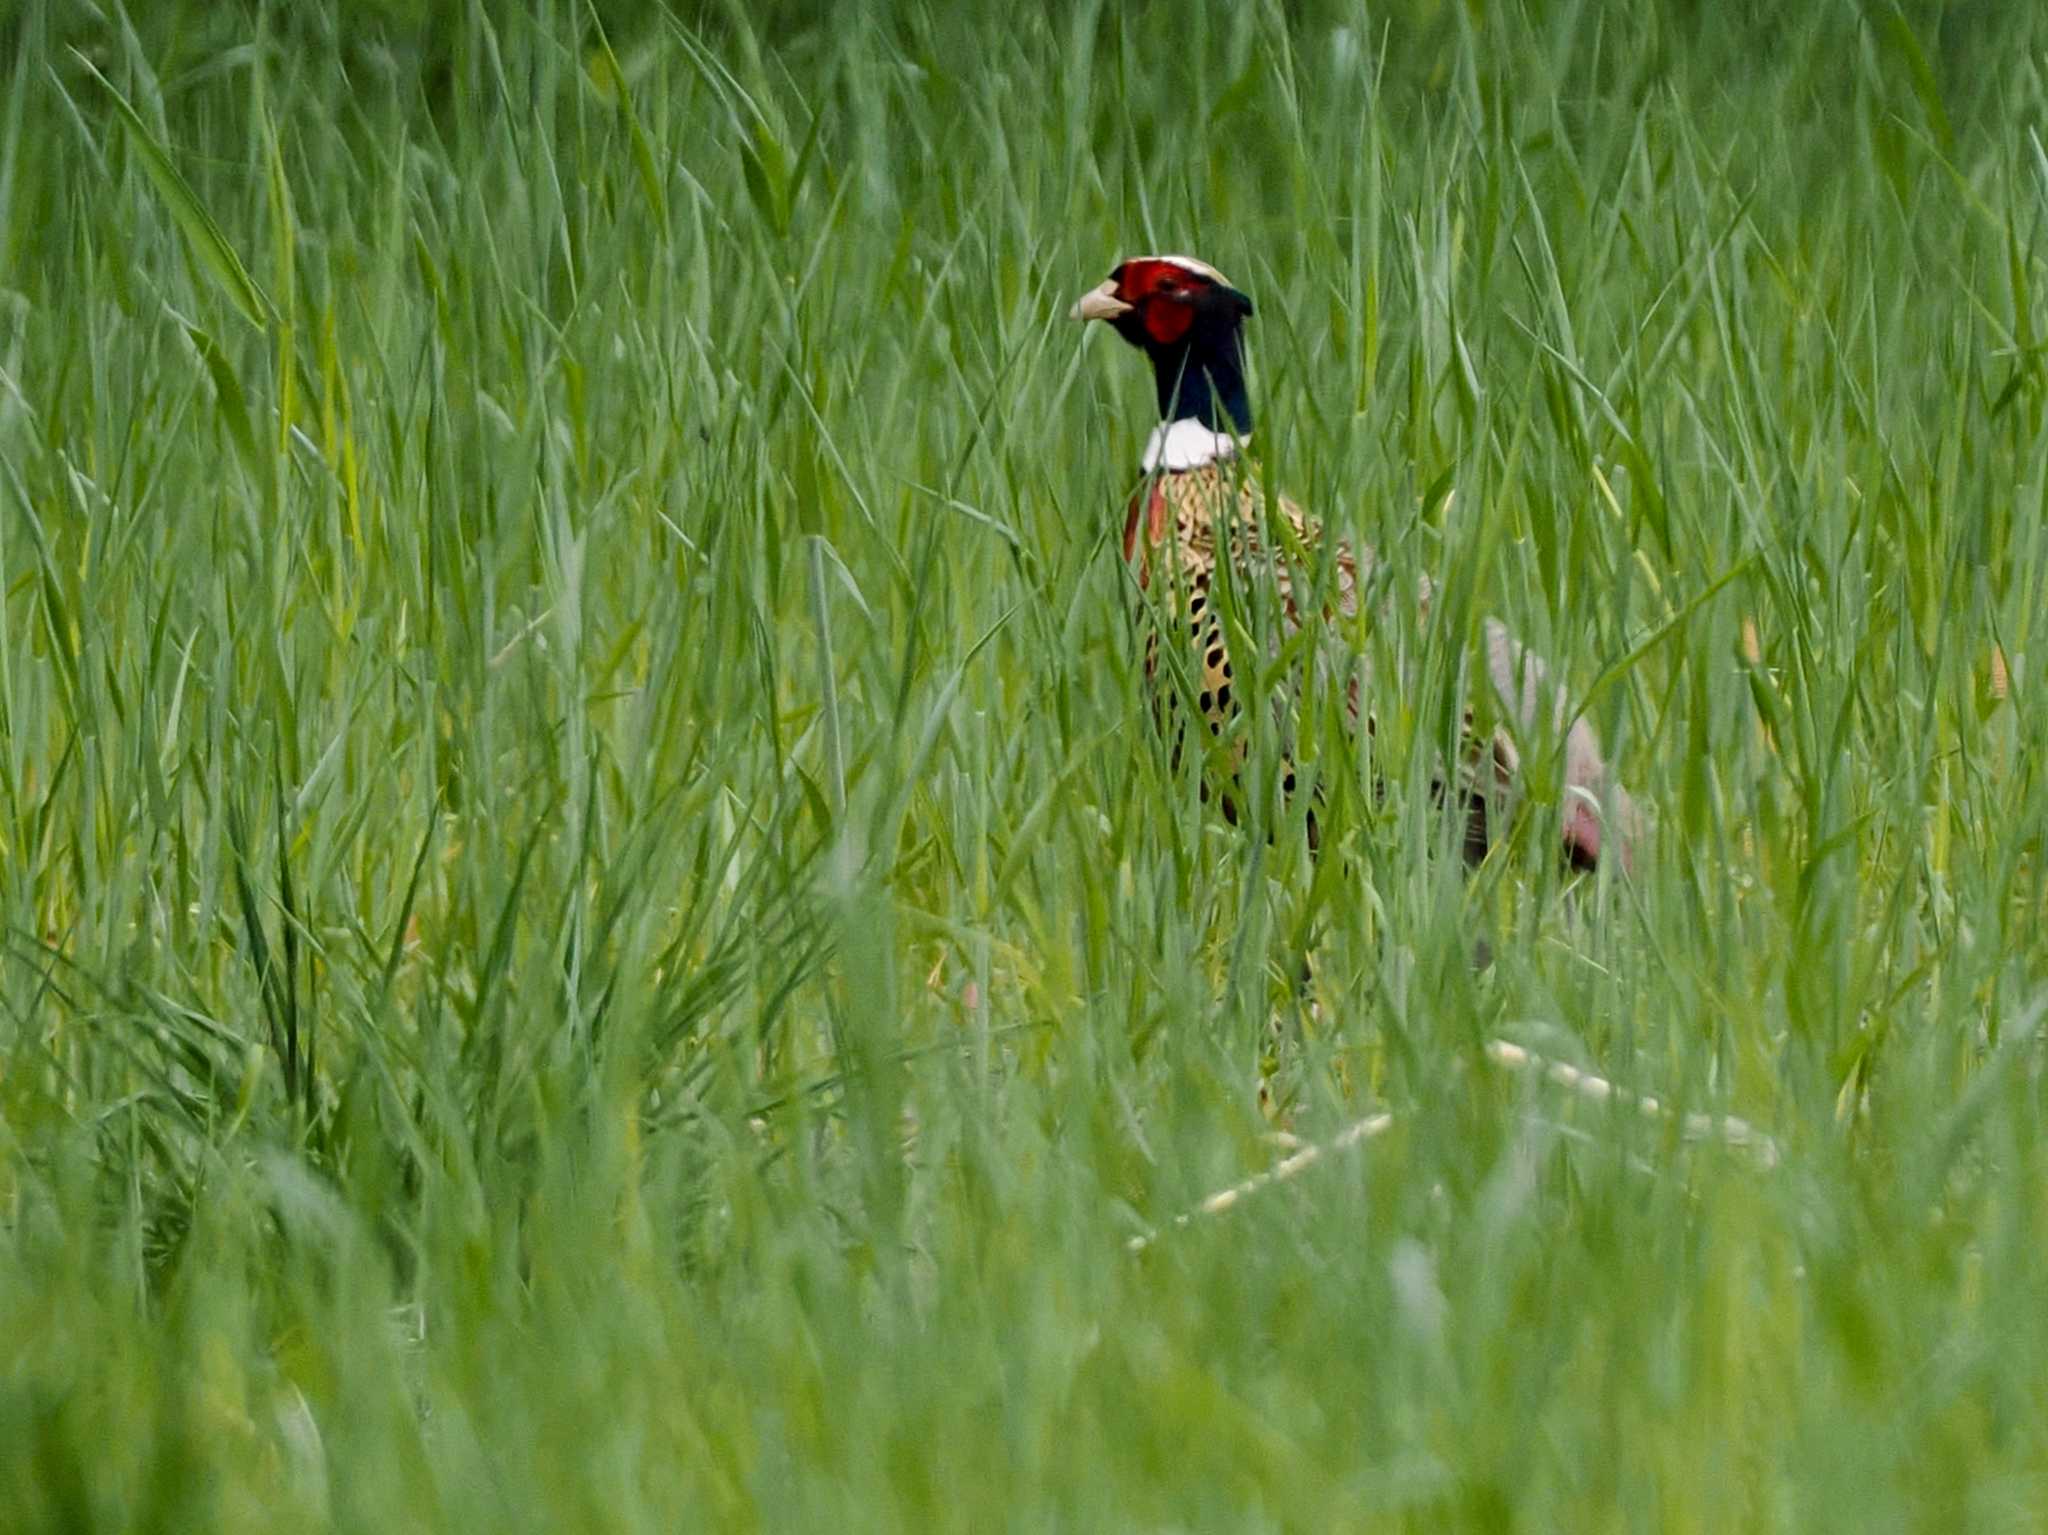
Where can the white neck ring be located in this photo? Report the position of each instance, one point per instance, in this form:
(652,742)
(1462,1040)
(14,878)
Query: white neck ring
(1185,444)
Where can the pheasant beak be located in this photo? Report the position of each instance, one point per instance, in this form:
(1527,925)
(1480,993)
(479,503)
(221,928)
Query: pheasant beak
(1099,304)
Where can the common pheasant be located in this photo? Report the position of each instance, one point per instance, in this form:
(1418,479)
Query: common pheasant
(1200,500)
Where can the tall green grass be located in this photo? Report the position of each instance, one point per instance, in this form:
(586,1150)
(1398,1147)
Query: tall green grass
(596,935)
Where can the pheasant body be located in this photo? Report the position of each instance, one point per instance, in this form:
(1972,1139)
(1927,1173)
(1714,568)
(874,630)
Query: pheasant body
(1185,522)
(1200,508)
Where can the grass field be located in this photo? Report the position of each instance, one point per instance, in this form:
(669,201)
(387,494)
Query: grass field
(597,937)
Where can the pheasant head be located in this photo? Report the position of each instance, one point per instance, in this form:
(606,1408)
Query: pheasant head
(1185,317)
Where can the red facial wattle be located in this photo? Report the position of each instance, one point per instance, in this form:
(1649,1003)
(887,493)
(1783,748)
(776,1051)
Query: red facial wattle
(1166,319)
(1158,291)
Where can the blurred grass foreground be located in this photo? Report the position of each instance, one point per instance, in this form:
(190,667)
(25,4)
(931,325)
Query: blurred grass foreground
(597,936)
